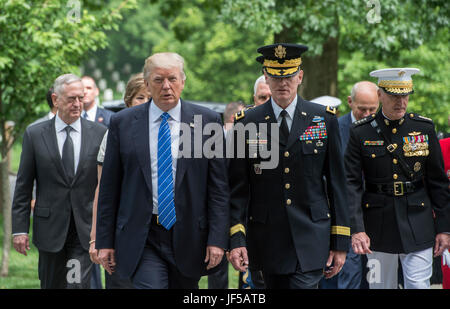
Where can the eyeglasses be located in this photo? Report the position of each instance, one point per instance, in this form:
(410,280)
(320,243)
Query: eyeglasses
(74,98)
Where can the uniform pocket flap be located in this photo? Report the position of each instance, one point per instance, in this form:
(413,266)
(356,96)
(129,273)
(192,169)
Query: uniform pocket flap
(320,210)
(43,212)
(373,200)
(418,199)
(373,152)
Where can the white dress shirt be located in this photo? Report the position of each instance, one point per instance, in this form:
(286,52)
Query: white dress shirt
(174,124)
(290,112)
(75,134)
(91,113)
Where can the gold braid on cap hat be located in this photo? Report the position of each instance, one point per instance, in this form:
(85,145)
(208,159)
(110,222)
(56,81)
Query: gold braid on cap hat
(277,72)
(286,64)
(396,86)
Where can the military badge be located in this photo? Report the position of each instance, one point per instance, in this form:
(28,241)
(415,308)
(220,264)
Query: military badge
(414,133)
(319,143)
(373,143)
(257,168)
(280,51)
(415,146)
(318,131)
(317,119)
(417,167)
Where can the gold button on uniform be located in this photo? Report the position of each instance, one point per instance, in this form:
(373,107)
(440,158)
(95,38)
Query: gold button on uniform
(286,170)
(315,150)
(395,161)
(394,130)
(373,155)
(367,205)
(288,202)
(287,186)
(423,204)
(395,176)
(286,154)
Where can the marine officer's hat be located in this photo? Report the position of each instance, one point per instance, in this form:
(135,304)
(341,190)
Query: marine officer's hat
(281,59)
(327,100)
(396,81)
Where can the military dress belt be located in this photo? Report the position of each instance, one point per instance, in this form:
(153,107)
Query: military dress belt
(397,188)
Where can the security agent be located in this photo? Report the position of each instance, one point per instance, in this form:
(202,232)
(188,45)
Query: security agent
(398,191)
(295,227)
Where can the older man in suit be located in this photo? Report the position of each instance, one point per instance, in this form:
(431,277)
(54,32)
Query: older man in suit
(363,101)
(162,221)
(91,111)
(60,154)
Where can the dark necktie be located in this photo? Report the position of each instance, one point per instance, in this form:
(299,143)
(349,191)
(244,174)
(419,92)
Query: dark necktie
(284,130)
(68,155)
(166,206)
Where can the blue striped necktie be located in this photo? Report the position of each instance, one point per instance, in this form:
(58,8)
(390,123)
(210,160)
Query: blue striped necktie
(166,206)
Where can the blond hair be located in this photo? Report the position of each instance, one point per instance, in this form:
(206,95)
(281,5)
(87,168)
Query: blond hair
(165,61)
(134,85)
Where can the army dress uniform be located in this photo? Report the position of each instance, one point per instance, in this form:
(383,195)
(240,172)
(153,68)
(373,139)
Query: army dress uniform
(404,198)
(293,220)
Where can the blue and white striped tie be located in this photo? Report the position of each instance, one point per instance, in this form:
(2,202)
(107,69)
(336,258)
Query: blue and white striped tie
(166,206)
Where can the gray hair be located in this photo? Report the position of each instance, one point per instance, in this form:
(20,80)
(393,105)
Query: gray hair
(359,86)
(260,79)
(65,79)
(165,61)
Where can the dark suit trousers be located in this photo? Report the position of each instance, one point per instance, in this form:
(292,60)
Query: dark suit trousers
(69,268)
(157,268)
(297,280)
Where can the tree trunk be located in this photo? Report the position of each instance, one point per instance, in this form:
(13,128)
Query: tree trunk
(320,72)
(5,201)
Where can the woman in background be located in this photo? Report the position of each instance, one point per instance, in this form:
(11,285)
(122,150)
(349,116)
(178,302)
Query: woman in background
(136,93)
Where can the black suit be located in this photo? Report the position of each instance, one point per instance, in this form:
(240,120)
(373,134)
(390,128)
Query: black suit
(292,221)
(63,210)
(124,220)
(396,211)
(103,116)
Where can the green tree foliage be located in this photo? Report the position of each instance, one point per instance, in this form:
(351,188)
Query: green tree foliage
(39,41)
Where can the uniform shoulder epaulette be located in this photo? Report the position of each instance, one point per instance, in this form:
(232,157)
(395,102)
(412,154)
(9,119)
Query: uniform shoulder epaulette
(331,110)
(364,120)
(420,118)
(239,115)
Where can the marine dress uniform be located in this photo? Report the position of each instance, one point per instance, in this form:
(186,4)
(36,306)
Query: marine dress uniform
(404,198)
(293,219)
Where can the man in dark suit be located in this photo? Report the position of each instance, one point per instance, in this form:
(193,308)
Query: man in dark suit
(90,109)
(295,228)
(398,190)
(363,101)
(60,154)
(162,221)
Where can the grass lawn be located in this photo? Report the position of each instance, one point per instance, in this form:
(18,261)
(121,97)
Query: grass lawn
(23,270)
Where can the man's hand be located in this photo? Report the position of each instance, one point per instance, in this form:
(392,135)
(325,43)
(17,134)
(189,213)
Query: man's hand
(21,243)
(238,258)
(93,254)
(106,258)
(337,259)
(442,243)
(214,255)
(361,243)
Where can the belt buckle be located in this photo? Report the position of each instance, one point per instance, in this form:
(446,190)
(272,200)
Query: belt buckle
(157,220)
(398,192)
(391,147)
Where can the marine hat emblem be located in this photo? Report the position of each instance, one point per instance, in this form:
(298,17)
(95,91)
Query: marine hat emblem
(280,52)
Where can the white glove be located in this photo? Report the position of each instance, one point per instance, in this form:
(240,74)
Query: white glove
(446,258)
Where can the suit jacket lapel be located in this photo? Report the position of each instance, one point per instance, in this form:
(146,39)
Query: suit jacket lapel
(299,123)
(50,140)
(140,133)
(86,139)
(187,116)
